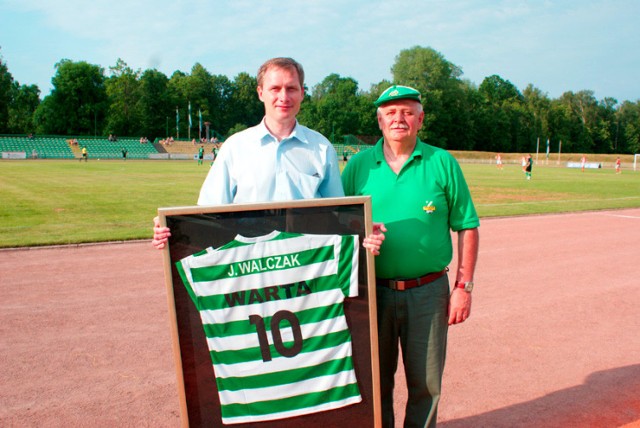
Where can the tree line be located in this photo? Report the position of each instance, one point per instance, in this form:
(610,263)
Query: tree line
(459,115)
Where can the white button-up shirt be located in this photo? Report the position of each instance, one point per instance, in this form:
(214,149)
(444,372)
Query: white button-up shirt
(252,166)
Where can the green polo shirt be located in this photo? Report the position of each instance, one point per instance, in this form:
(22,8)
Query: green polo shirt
(420,207)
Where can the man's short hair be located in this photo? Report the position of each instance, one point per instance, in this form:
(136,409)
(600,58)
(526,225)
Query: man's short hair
(281,62)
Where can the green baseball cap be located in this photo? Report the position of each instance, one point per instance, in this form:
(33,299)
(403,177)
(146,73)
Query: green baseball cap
(397,92)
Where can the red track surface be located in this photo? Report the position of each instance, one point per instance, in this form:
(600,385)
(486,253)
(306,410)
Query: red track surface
(553,341)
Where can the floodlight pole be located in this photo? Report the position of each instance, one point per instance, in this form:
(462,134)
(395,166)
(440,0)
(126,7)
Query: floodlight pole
(207,129)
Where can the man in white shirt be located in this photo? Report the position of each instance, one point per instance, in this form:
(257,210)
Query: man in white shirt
(276,160)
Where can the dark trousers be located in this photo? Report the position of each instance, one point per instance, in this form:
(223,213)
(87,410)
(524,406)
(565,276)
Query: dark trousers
(415,319)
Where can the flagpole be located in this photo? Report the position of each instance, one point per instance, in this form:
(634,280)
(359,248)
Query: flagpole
(177,124)
(559,151)
(189,131)
(548,147)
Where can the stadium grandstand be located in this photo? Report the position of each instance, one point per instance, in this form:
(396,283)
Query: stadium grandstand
(102,148)
(349,146)
(46,147)
(59,147)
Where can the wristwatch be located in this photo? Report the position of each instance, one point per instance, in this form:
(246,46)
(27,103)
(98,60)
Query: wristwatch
(466,286)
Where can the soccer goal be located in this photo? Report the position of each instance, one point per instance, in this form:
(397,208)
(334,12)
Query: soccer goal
(635,161)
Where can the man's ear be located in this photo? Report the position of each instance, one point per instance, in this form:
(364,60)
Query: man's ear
(259,89)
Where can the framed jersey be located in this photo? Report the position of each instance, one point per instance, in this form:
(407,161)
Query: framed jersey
(272,309)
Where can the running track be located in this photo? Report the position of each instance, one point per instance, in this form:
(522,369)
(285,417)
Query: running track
(553,340)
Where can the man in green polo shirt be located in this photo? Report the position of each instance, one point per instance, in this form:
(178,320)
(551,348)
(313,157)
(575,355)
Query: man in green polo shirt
(419,195)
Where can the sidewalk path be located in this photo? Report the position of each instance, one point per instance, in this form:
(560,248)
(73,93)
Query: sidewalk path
(553,340)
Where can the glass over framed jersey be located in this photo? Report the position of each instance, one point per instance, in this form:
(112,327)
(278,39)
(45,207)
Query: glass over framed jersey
(273,315)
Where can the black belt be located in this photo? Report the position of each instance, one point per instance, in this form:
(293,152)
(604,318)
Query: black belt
(405,284)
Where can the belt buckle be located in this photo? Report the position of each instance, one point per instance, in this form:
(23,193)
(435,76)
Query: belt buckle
(397,285)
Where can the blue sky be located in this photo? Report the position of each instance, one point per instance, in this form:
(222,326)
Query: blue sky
(556,45)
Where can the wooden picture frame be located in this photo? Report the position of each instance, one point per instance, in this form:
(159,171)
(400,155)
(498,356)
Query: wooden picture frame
(196,228)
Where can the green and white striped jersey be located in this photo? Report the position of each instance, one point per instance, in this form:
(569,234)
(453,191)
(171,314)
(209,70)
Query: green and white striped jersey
(272,312)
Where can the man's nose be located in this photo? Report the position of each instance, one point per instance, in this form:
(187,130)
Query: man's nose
(398,117)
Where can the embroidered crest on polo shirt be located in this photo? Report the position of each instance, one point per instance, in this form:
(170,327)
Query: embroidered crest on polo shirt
(429,208)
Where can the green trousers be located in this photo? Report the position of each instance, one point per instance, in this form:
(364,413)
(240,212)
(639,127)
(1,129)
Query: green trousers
(416,320)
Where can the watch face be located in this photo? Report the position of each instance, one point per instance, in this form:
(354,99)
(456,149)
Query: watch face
(466,286)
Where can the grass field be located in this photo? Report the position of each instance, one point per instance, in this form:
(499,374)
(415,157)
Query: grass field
(65,202)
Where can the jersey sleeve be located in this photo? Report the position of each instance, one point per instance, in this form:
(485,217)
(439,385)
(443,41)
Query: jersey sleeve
(184,270)
(348,265)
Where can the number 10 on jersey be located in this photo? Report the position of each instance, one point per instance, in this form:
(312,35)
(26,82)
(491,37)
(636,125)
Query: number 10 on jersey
(279,320)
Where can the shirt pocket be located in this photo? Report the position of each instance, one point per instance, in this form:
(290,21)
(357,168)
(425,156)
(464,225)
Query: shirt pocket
(305,184)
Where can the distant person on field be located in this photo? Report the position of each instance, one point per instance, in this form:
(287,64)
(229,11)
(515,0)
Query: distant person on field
(276,160)
(583,162)
(524,164)
(124,153)
(85,154)
(618,165)
(499,161)
(528,167)
(214,154)
(200,153)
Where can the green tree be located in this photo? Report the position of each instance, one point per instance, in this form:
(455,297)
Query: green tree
(438,80)
(628,124)
(156,112)
(560,124)
(205,92)
(196,89)
(243,105)
(6,88)
(493,128)
(176,87)
(219,110)
(472,116)
(604,129)
(335,105)
(538,106)
(26,99)
(236,128)
(77,103)
(123,91)
(366,110)
(581,108)
(496,90)
(504,117)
